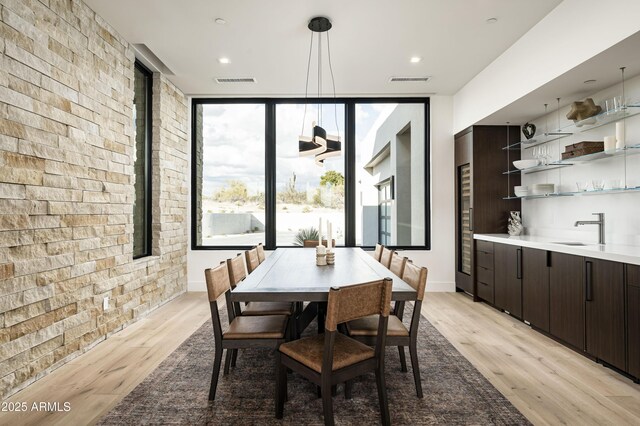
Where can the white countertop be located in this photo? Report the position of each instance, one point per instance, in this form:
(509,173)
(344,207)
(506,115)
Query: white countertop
(613,252)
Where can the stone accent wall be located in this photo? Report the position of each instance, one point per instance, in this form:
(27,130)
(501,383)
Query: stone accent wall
(66,188)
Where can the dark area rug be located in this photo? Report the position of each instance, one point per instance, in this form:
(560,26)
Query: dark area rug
(455,393)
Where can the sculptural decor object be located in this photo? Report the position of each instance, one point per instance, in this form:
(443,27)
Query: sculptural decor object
(528,130)
(515,227)
(581,110)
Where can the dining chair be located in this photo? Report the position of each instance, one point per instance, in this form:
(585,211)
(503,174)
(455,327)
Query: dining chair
(331,358)
(236,275)
(243,331)
(252,259)
(397,264)
(378,252)
(261,255)
(364,329)
(385,256)
(314,243)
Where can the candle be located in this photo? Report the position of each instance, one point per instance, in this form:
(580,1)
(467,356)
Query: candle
(329,238)
(320,233)
(620,134)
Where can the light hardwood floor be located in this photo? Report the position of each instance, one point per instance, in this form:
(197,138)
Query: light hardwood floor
(547,382)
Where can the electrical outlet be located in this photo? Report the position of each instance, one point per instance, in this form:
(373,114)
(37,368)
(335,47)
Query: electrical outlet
(105,303)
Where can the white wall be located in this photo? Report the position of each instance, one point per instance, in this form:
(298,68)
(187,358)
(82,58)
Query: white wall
(440,259)
(555,217)
(573,32)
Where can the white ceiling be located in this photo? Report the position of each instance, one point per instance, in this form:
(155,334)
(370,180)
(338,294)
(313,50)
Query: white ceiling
(371,41)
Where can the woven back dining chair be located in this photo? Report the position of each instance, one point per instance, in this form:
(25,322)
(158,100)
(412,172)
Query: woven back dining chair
(397,264)
(378,252)
(331,358)
(314,243)
(364,329)
(385,257)
(243,331)
(252,259)
(261,254)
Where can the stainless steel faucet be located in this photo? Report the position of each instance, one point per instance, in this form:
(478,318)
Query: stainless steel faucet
(599,222)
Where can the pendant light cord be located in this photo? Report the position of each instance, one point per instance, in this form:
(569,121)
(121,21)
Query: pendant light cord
(333,82)
(306,85)
(319,78)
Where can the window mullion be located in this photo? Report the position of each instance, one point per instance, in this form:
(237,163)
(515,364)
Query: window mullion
(270,174)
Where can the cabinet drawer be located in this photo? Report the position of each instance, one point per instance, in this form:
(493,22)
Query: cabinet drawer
(485,291)
(484,260)
(484,246)
(633,275)
(485,275)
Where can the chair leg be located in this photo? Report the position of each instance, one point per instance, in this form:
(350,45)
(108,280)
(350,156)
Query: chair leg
(281,386)
(413,351)
(216,372)
(327,404)
(382,396)
(227,361)
(403,359)
(234,357)
(348,387)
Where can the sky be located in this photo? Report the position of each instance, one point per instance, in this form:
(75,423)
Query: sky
(234,142)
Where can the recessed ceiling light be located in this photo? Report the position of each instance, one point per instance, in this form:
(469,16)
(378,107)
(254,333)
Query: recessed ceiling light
(220,21)
(492,20)
(415,59)
(224,60)
(590,81)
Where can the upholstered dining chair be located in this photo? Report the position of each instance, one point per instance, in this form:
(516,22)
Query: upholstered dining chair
(252,259)
(314,243)
(236,275)
(397,264)
(243,331)
(378,252)
(385,256)
(364,329)
(261,255)
(331,358)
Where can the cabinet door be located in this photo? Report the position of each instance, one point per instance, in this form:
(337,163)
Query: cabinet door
(633,319)
(566,298)
(507,278)
(605,311)
(535,288)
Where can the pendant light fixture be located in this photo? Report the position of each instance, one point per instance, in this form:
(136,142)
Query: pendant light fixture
(319,144)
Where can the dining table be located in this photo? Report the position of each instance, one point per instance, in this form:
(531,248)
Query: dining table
(290,274)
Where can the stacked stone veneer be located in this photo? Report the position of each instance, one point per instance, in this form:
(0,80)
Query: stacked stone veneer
(66,188)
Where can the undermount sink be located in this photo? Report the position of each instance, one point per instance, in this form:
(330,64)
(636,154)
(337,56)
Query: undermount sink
(571,243)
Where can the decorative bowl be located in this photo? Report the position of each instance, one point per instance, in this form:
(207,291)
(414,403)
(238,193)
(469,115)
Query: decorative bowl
(525,164)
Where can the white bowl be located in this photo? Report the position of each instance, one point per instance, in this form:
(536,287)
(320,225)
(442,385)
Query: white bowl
(525,164)
(543,188)
(521,192)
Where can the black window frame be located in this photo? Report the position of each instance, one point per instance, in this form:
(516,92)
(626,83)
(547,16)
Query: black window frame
(348,149)
(148,217)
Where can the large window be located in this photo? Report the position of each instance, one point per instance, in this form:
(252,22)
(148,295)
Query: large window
(249,184)
(391,174)
(143,79)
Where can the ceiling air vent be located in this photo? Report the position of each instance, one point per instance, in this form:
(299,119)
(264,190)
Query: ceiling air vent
(235,80)
(408,79)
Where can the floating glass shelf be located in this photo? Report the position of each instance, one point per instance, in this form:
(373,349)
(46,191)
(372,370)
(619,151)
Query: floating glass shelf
(580,193)
(536,169)
(629,150)
(580,126)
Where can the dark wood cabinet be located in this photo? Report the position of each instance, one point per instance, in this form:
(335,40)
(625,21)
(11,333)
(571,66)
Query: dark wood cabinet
(604,297)
(535,287)
(484,270)
(480,188)
(507,281)
(566,299)
(633,320)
